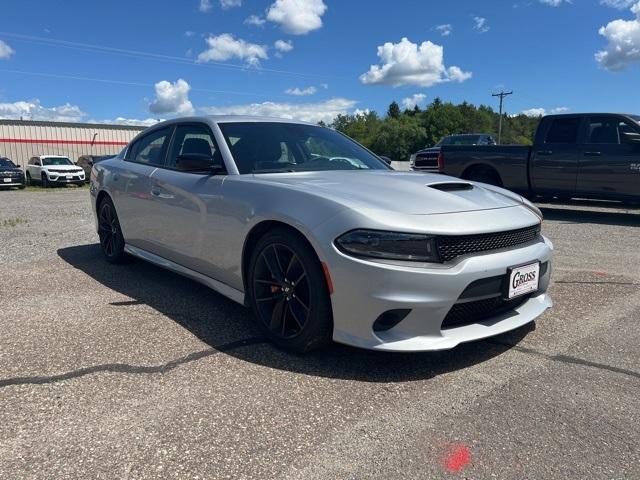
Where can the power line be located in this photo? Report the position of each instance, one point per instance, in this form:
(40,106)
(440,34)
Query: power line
(92,48)
(502,94)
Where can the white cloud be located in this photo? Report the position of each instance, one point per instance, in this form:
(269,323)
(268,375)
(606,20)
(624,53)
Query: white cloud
(539,111)
(310,112)
(255,20)
(147,122)
(415,99)
(5,51)
(224,47)
(361,113)
(205,6)
(172,98)
(554,3)
(297,17)
(33,110)
(623,46)
(619,4)
(227,4)
(406,63)
(445,29)
(480,24)
(301,92)
(283,46)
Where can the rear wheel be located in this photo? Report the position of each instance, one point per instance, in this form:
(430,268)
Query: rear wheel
(288,292)
(485,175)
(111,239)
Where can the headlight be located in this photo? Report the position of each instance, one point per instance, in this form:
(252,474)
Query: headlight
(389,245)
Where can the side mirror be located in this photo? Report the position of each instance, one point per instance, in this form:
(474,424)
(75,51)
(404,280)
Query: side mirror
(194,162)
(631,137)
(385,159)
(18,166)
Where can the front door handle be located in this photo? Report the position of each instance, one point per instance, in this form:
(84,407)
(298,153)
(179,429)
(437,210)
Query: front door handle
(592,154)
(157,193)
(544,152)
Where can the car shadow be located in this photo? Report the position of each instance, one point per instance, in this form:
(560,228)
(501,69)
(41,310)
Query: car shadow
(229,328)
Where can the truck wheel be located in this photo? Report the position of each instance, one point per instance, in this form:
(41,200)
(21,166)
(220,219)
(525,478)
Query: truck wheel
(485,175)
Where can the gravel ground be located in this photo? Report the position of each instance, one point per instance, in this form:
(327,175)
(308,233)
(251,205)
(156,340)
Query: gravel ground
(134,372)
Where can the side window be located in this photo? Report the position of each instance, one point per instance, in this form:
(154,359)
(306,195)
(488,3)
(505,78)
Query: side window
(196,140)
(603,130)
(563,130)
(150,148)
(625,127)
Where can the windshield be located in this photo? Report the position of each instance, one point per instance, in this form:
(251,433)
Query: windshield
(6,163)
(48,161)
(459,140)
(266,147)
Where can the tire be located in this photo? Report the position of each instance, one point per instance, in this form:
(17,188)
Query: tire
(45,181)
(111,239)
(22,187)
(295,312)
(28,179)
(485,175)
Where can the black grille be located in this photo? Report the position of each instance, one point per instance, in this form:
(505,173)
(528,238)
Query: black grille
(472,312)
(450,247)
(426,161)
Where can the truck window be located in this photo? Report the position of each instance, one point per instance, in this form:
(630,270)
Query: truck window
(563,130)
(603,130)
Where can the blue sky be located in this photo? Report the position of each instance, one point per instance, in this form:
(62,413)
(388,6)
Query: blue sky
(142,60)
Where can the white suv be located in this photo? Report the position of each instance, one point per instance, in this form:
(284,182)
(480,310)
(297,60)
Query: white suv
(53,169)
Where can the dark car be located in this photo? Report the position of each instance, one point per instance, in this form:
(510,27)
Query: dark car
(87,162)
(10,174)
(427,158)
(582,155)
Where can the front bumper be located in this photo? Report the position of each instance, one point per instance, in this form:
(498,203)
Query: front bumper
(62,179)
(363,290)
(13,182)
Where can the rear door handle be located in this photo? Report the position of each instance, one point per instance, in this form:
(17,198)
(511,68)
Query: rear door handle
(592,154)
(544,152)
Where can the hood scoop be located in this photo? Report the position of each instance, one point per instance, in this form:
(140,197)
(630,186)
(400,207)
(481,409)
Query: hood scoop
(451,186)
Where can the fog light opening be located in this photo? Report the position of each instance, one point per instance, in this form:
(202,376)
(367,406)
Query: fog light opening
(390,319)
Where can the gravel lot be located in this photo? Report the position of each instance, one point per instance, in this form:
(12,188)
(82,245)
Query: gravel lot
(133,372)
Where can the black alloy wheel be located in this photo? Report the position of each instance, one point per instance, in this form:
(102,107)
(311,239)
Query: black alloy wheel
(288,292)
(111,239)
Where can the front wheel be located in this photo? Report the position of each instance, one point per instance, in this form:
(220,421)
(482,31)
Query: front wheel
(45,181)
(28,179)
(111,239)
(288,292)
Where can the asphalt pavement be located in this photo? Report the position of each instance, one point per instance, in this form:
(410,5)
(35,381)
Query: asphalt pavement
(134,372)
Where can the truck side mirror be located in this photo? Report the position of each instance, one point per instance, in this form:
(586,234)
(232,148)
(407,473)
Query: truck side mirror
(631,137)
(386,160)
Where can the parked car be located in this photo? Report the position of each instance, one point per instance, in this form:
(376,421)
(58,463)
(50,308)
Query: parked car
(588,155)
(53,170)
(10,174)
(427,158)
(87,162)
(268,213)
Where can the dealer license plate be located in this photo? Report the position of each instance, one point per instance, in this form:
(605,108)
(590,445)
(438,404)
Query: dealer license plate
(523,279)
(69,177)
(7,180)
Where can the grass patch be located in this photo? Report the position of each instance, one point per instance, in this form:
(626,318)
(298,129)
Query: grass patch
(13,222)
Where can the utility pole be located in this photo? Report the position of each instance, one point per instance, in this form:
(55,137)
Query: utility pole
(502,94)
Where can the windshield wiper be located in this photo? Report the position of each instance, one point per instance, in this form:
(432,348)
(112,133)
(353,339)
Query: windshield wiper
(274,170)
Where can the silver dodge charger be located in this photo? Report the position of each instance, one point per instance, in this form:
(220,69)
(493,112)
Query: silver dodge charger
(320,238)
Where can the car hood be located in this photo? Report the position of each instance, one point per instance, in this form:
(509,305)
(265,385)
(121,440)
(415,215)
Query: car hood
(70,168)
(403,192)
(10,169)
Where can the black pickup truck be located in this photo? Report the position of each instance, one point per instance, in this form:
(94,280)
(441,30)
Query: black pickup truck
(587,155)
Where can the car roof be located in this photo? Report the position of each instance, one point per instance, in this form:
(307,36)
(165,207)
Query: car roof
(230,119)
(52,156)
